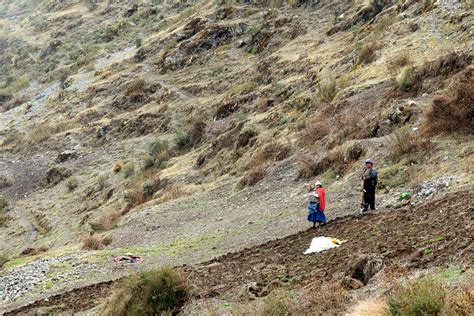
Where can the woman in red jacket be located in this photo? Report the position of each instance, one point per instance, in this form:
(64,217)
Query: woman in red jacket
(316,208)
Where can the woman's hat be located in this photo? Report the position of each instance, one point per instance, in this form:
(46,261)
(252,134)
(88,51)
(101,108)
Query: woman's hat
(318,183)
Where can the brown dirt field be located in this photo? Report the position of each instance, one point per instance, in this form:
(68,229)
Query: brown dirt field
(444,225)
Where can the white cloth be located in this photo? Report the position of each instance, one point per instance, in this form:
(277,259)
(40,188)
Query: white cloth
(319,244)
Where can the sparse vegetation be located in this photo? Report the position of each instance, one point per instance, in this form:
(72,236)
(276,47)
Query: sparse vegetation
(94,242)
(452,111)
(4,207)
(405,78)
(423,296)
(252,177)
(45,131)
(327,90)
(128,169)
(367,53)
(160,292)
(72,184)
(400,60)
(182,139)
(405,142)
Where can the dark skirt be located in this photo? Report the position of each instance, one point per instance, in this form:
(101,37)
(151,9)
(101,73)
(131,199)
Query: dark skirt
(314,214)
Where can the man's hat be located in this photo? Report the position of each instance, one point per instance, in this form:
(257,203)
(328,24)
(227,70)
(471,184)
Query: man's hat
(318,183)
(369,161)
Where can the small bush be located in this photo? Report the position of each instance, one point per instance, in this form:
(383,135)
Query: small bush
(339,160)
(245,136)
(45,131)
(128,169)
(72,184)
(406,142)
(453,111)
(400,60)
(117,166)
(161,292)
(274,151)
(327,90)
(93,242)
(107,221)
(460,301)
(252,177)
(405,78)
(172,192)
(242,88)
(136,89)
(315,130)
(423,296)
(427,4)
(182,139)
(367,53)
(157,146)
(279,305)
(3,260)
(147,188)
(4,206)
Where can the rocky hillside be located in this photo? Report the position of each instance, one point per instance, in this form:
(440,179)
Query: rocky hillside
(181,132)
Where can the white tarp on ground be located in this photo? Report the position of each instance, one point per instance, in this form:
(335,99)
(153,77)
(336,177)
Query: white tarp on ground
(319,244)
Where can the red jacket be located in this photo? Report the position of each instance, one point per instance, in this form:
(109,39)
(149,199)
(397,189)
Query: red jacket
(322,195)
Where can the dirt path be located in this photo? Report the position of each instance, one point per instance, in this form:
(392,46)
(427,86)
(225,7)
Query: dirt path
(444,226)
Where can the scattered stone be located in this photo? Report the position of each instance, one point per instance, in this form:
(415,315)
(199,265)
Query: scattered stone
(66,155)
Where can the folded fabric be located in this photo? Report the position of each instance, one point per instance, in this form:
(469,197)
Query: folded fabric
(319,244)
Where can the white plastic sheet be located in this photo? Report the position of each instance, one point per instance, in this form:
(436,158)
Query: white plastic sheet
(319,244)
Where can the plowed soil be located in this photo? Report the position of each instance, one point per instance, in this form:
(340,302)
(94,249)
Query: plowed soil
(433,234)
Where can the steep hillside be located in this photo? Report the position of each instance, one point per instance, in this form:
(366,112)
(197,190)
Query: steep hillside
(181,132)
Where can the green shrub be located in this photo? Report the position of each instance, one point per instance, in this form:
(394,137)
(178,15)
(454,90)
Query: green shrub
(405,78)
(423,296)
(182,138)
(157,146)
(242,88)
(147,188)
(3,204)
(159,292)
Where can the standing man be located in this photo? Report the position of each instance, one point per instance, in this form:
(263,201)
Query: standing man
(369,179)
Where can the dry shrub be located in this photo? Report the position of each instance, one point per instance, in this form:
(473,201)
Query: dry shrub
(45,131)
(443,66)
(143,186)
(372,307)
(315,129)
(117,166)
(279,305)
(41,223)
(273,151)
(159,292)
(400,60)
(242,88)
(367,53)
(172,192)
(460,300)
(261,104)
(407,142)
(107,222)
(339,160)
(454,110)
(93,242)
(136,89)
(329,299)
(252,177)
(327,90)
(424,296)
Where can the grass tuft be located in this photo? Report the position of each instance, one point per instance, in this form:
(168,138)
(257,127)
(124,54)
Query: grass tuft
(160,292)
